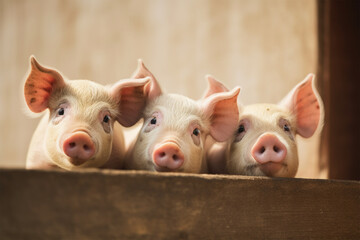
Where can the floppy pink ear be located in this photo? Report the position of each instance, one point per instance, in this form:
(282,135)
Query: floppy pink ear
(304,101)
(153,89)
(40,84)
(214,86)
(131,97)
(223,112)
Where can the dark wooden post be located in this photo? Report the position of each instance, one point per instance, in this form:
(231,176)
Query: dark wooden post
(339,77)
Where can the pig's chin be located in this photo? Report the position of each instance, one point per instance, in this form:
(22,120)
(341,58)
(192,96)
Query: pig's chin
(163,169)
(271,169)
(77,161)
(68,163)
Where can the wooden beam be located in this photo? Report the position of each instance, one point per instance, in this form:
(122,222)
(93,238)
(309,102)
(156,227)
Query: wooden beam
(339,77)
(111,204)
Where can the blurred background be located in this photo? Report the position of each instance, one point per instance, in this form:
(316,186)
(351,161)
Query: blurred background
(266,47)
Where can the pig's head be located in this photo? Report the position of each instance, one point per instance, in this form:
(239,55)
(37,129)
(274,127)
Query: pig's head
(79,131)
(175,127)
(264,143)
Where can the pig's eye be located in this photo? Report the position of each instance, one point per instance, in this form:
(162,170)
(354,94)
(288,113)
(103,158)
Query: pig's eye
(241,128)
(106,119)
(196,132)
(153,121)
(61,111)
(285,125)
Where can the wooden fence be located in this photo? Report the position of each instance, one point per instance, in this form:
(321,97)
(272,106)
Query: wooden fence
(110,204)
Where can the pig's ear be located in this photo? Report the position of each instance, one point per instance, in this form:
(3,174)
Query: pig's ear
(214,86)
(223,112)
(304,101)
(131,97)
(39,85)
(153,89)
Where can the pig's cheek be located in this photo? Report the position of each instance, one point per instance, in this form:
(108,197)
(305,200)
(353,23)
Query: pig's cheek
(193,156)
(240,160)
(147,141)
(235,162)
(52,146)
(103,143)
(291,161)
(196,159)
(141,157)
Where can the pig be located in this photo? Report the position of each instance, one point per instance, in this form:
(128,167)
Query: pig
(81,125)
(264,143)
(172,136)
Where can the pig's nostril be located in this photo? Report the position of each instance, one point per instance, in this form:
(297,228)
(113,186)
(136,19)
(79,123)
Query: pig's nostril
(175,157)
(262,150)
(276,149)
(86,147)
(72,144)
(162,154)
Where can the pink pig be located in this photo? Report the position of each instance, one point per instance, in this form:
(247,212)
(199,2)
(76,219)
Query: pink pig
(264,144)
(175,127)
(79,128)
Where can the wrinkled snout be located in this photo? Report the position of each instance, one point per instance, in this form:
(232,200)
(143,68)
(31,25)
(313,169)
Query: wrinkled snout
(168,156)
(268,148)
(79,147)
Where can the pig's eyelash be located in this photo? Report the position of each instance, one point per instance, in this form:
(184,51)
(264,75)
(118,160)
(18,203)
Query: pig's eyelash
(61,103)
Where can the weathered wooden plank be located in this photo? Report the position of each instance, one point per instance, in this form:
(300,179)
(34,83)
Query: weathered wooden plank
(142,205)
(339,61)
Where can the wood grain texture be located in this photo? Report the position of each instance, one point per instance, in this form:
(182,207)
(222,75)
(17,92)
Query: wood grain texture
(143,205)
(339,55)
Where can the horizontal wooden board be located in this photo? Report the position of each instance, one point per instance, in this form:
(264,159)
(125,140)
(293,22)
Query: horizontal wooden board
(110,204)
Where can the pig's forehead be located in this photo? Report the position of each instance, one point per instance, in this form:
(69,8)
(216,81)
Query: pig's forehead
(264,111)
(86,93)
(175,103)
(89,90)
(176,106)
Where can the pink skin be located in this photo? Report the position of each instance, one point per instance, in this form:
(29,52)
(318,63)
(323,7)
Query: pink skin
(80,127)
(79,147)
(175,127)
(265,143)
(167,156)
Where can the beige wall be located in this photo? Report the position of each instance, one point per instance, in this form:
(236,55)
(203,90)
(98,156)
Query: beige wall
(266,47)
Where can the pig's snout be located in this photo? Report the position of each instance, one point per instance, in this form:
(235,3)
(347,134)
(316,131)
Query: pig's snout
(168,156)
(268,148)
(79,147)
